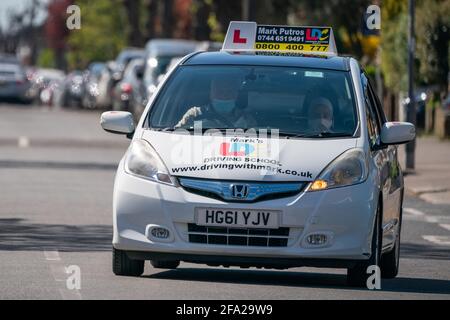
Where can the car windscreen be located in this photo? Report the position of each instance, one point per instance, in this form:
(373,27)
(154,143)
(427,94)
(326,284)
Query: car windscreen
(296,101)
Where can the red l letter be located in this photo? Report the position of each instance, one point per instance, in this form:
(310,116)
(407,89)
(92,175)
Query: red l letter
(237,37)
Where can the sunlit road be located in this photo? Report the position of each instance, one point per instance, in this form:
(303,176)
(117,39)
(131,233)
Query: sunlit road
(56,179)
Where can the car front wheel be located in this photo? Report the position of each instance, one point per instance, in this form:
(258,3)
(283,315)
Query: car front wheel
(357,276)
(390,261)
(124,266)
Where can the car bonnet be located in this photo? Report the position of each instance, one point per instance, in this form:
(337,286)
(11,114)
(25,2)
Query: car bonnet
(245,158)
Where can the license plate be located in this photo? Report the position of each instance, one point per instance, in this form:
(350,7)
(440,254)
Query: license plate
(237,218)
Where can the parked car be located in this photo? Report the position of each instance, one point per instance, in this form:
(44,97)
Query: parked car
(420,104)
(105,85)
(92,78)
(52,93)
(158,55)
(41,79)
(124,58)
(114,74)
(129,93)
(13,80)
(73,89)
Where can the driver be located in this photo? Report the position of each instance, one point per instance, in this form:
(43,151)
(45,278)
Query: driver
(222,110)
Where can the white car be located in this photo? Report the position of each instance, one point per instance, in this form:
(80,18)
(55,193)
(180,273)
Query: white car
(260,159)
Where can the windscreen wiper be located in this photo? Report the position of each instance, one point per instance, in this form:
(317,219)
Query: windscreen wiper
(189,129)
(325,134)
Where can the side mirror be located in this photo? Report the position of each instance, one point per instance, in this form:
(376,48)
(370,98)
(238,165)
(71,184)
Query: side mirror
(397,132)
(120,122)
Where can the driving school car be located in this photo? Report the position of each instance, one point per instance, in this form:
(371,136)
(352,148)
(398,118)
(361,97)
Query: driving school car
(274,152)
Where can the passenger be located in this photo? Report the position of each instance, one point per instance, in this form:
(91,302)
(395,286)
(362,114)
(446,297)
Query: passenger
(222,110)
(320,116)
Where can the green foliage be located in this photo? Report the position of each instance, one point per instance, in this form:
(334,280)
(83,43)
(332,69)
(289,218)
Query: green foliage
(345,16)
(102,34)
(371,70)
(432,30)
(433,36)
(394,53)
(391,9)
(46,59)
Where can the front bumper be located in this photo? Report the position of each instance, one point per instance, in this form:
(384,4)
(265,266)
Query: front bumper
(345,214)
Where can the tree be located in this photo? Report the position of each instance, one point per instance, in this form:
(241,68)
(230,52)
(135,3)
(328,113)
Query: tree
(168,19)
(102,34)
(394,46)
(433,36)
(345,16)
(151,9)
(56,32)
(134,35)
(201,11)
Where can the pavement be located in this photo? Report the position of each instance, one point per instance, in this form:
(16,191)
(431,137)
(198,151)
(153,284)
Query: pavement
(430,181)
(56,178)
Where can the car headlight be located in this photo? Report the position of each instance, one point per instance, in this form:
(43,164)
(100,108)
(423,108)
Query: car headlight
(348,169)
(143,161)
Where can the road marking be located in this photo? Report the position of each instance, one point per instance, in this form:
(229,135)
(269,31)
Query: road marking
(439,240)
(413,211)
(445,226)
(417,215)
(52,255)
(70,294)
(23,142)
(60,274)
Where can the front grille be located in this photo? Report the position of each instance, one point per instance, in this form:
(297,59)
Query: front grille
(238,236)
(257,191)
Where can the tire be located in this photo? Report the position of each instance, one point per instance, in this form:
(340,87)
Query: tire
(158,264)
(124,266)
(357,276)
(390,261)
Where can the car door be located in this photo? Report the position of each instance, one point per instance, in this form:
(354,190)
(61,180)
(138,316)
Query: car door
(394,181)
(379,154)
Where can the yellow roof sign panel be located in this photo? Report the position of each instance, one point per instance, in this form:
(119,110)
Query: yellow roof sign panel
(248,36)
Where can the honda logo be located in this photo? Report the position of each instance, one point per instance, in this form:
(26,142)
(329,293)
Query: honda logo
(239,191)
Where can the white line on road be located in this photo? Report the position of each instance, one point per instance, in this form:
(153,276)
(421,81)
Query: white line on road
(23,142)
(413,211)
(445,226)
(52,255)
(60,274)
(417,215)
(439,240)
(70,294)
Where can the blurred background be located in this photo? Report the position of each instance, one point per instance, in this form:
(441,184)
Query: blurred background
(124,47)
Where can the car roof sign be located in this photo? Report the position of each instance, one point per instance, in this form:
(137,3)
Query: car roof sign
(246,36)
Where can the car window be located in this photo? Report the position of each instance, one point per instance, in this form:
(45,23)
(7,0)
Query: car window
(372,119)
(294,100)
(379,109)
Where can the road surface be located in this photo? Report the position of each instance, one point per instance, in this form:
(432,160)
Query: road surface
(56,178)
